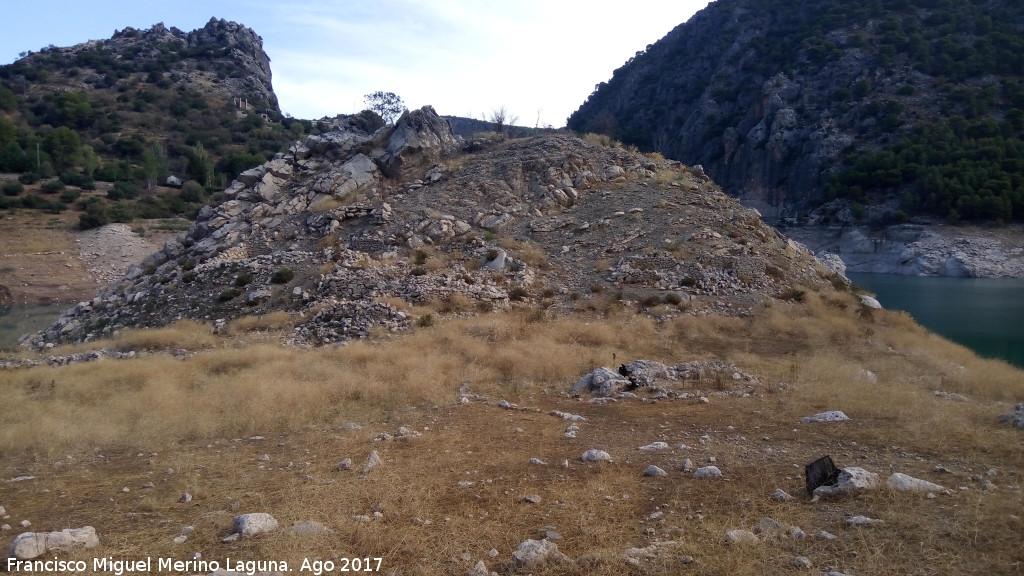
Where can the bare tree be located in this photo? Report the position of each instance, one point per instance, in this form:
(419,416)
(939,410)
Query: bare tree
(387,104)
(502,121)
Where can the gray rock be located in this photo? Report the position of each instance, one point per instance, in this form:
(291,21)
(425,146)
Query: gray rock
(345,464)
(596,456)
(830,416)
(254,524)
(600,382)
(1015,418)
(862,521)
(768,525)
(781,495)
(741,537)
(707,472)
(653,470)
(308,528)
(906,483)
(372,461)
(851,480)
(802,562)
(534,554)
(870,302)
(28,545)
(653,446)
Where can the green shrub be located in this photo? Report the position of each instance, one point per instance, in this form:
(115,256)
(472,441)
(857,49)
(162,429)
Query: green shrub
(52,186)
(425,321)
(28,178)
(229,294)
(12,188)
(245,279)
(282,276)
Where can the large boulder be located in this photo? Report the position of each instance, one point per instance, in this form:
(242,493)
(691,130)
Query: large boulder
(600,382)
(28,545)
(418,139)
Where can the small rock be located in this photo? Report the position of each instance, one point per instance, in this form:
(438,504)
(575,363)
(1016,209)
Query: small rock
(25,523)
(5,527)
(480,569)
(596,456)
(796,533)
(802,562)
(180,539)
(687,465)
(830,416)
(707,472)
(850,480)
(345,464)
(741,537)
(653,470)
(862,521)
(264,458)
(308,528)
(906,483)
(767,525)
(372,462)
(538,462)
(653,446)
(254,524)
(533,554)
(781,495)
(823,535)
(532,499)
(185,498)
(233,538)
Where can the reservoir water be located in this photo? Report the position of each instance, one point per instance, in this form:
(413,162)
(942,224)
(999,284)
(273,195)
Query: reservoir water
(18,319)
(984,314)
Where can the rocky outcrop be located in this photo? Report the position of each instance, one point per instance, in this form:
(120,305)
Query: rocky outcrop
(920,250)
(28,545)
(348,225)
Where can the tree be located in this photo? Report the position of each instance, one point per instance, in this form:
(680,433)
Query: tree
(387,104)
(501,120)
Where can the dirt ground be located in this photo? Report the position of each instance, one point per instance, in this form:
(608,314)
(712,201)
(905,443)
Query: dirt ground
(45,259)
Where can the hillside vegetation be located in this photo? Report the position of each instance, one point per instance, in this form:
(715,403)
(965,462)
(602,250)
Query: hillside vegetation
(790,104)
(132,110)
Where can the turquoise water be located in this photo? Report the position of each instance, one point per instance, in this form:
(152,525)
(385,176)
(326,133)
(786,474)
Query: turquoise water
(18,319)
(984,314)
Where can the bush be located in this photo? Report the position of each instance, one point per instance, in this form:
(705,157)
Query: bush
(12,188)
(68,195)
(192,191)
(282,276)
(229,294)
(72,178)
(28,178)
(425,321)
(122,190)
(52,186)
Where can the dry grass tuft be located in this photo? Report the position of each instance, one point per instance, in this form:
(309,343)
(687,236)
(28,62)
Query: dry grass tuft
(187,334)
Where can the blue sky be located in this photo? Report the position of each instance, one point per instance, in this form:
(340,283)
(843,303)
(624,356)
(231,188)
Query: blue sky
(538,58)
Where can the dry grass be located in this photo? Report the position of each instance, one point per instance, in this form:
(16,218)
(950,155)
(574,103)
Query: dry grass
(87,430)
(277,320)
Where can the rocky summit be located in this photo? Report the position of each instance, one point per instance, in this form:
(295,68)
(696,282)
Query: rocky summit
(347,228)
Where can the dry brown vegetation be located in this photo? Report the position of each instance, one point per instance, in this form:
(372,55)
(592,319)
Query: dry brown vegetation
(88,430)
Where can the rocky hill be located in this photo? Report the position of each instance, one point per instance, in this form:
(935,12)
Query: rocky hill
(350,227)
(137,108)
(789,104)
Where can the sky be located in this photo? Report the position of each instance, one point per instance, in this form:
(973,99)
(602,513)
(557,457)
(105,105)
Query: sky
(539,59)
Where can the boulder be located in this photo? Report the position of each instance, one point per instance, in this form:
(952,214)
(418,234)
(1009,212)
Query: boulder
(254,524)
(596,456)
(707,472)
(851,480)
(419,137)
(907,483)
(653,470)
(600,382)
(28,545)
